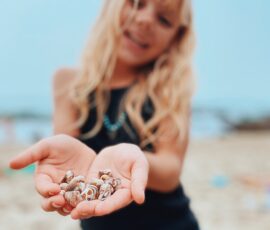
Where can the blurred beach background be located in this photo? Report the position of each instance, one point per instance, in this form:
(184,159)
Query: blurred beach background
(227,170)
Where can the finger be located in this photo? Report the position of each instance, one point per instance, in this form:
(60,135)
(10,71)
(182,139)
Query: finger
(52,203)
(45,186)
(62,213)
(85,209)
(56,203)
(66,209)
(118,200)
(35,153)
(139,177)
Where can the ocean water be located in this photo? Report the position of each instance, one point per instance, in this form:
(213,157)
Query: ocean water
(31,130)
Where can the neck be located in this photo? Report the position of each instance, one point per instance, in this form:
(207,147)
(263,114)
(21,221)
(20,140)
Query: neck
(122,76)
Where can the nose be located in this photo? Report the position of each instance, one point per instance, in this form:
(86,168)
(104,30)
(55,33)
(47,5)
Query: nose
(144,17)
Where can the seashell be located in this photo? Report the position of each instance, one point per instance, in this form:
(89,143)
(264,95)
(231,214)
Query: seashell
(75,182)
(68,177)
(63,186)
(96,182)
(105,177)
(105,191)
(110,181)
(80,187)
(105,172)
(73,198)
(79,178)
(74,189)
(90,192)
(104,196)
(116,183)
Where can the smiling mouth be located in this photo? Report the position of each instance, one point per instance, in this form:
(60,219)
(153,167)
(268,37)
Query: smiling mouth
(136,40)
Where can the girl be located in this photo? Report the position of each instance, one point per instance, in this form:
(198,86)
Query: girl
(134,86)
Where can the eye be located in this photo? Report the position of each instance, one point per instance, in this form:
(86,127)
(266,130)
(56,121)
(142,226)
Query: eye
(164,21)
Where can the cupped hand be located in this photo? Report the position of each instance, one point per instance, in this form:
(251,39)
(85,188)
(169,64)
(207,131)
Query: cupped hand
(128,163)
(54,156)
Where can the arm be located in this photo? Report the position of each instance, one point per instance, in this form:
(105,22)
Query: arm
(165,164)
(57,154)
(65,113)
(133,183)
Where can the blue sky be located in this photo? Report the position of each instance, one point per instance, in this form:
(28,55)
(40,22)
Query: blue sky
(232,58)
(233,54)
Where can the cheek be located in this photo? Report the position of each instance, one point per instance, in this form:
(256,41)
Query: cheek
(162,42)
(125,14)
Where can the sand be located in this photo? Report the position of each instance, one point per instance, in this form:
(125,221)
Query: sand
(225,177)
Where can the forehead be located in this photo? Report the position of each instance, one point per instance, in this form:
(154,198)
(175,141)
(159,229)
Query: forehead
(172,6)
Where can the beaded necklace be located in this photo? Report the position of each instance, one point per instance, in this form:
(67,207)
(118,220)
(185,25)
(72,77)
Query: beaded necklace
(112,128)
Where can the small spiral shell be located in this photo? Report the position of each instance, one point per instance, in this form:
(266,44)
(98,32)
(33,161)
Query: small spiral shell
(68,177)
(105,172)
(75,189)
(105,177)
(90,192)
(63,186)
(73,198)
(75,182)
(97,182)
(105,191)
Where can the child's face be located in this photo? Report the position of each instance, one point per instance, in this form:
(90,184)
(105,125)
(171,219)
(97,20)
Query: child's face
(151,31)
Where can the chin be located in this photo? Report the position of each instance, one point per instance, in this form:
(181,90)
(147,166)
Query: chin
(132,61)
(135,60)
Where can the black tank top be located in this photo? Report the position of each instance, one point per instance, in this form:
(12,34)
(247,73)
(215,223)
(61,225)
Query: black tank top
(160,210)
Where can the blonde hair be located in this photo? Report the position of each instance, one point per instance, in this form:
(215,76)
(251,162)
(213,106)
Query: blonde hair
(169,84)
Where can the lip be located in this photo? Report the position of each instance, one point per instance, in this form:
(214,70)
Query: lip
(136,40)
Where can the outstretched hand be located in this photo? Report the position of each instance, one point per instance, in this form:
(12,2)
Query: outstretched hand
(128,163)
(56,155)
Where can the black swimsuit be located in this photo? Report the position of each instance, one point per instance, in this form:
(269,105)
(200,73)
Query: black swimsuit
(160,211)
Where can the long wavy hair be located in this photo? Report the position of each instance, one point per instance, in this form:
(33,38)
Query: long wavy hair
(168,83)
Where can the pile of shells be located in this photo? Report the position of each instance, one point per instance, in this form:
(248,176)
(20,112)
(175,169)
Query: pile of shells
(75,189)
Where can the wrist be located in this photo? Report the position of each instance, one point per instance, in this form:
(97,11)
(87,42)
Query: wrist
(164,172)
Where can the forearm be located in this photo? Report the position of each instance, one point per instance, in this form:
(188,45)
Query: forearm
(164,171)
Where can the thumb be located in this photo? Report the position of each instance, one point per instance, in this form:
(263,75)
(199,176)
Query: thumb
(35,153)
(139,177)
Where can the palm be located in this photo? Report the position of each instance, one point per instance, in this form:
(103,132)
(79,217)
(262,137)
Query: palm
(66,158)
(54,156)
(119,162)
(126,162)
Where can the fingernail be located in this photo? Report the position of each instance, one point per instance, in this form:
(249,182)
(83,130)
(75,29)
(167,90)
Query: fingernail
(66,210)
(56,205)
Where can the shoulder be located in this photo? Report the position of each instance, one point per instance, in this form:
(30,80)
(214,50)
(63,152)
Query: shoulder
(64,76)
(62,82)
